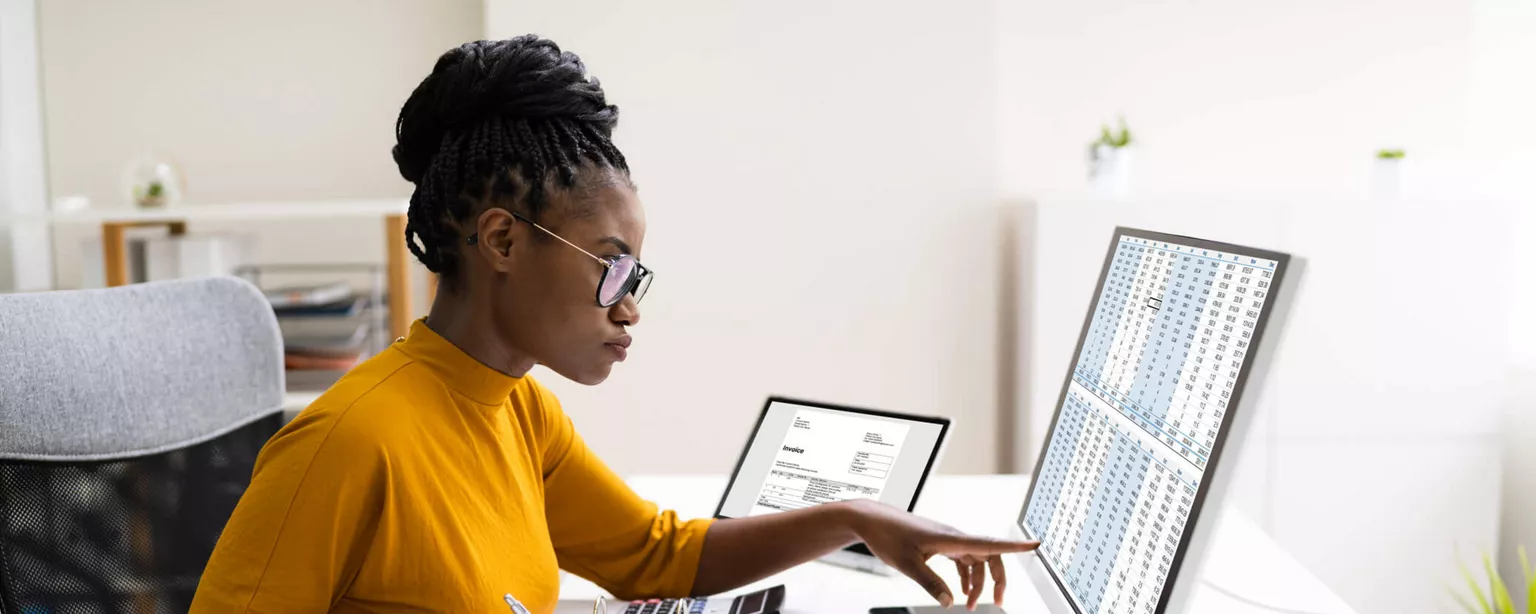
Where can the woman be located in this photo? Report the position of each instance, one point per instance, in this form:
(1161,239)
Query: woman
(438,476)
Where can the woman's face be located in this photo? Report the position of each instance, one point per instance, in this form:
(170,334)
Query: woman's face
(544,298)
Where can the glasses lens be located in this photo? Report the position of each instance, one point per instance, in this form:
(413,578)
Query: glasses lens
(616,281)
(643,286)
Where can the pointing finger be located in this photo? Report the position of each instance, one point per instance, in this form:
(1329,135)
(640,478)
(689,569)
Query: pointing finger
(962,545)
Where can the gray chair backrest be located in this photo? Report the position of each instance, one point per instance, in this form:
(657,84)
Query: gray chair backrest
(95,375)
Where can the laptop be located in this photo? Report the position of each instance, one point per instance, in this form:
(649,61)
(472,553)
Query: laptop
(805,453)
(1168,344)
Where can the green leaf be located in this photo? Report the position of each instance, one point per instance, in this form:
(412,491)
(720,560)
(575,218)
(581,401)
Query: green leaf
(1462,601)
(1530,579)
(1501,601)
(1477,591)
(1525,566)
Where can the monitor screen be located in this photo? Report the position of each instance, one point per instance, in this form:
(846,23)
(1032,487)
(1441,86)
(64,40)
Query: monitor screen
(803,454)
(1144,412)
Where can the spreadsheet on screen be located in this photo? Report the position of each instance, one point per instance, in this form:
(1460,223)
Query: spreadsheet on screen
(1171,329)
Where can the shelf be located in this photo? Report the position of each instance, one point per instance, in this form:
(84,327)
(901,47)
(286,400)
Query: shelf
(291,210)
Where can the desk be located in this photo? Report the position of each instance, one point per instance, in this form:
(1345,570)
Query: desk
(1244,562)
(115,221)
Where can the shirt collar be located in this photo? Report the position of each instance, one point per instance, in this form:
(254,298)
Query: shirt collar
(459,370)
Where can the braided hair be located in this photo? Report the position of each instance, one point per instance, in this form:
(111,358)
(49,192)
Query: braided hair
(495,121)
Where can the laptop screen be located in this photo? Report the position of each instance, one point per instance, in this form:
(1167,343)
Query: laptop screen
(803,454)
(1144,412)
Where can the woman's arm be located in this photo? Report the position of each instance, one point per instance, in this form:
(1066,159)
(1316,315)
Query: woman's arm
(740,551)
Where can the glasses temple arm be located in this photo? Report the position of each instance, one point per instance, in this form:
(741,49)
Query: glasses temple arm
(547,231)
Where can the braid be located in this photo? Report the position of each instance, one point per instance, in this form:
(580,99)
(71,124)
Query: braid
(541,150)
(544,149)
(567,152)
(493,122)
(576,141)
(604,148)
(415,225)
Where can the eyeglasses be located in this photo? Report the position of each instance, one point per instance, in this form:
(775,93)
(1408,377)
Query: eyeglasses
(622,274)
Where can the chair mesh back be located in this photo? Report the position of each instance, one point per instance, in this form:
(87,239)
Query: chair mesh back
(128,535)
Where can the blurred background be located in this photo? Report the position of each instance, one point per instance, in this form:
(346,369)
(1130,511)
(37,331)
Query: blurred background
(895,204)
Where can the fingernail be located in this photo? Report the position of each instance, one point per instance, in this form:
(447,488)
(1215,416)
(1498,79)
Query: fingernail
(946,600)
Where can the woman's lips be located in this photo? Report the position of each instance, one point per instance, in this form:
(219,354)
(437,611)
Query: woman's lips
(620,347)
(619,351)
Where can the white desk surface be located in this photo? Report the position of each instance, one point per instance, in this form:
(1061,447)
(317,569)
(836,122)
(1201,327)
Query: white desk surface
(1244,561)
(342,208)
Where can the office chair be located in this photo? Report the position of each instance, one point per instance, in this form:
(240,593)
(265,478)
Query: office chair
(130,420)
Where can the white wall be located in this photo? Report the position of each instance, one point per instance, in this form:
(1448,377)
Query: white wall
(1519,428)
(24,249)
(1504,49)
(258,101)
(818,187)
(1518,516)
(1231,96)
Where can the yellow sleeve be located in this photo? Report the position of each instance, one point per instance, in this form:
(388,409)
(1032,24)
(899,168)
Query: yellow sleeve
(602,530)
(299,534)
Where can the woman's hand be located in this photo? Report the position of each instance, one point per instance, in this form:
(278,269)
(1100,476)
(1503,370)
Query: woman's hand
(906,542)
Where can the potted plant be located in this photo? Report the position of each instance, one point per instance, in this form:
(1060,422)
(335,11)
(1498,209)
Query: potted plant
(1389,172)
(151,195)
(153,180)
(1496,600)
(1109,160)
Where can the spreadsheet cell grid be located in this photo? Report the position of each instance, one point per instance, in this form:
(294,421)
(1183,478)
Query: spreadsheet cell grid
(1165,343)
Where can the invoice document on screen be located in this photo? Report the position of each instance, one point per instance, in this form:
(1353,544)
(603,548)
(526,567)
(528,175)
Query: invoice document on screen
(828,457)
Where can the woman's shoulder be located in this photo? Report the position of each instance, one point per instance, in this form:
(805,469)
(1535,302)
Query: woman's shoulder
(536,400)
(380,396)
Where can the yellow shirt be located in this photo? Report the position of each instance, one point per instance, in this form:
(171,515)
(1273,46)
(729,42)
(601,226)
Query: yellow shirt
(424,481)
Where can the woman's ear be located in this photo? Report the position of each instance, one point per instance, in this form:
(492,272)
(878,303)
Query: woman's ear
(495,235)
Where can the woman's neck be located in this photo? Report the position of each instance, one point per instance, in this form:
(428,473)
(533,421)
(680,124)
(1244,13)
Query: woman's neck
(474,332)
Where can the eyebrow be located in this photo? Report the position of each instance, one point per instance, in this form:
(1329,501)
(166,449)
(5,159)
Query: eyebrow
(619,243)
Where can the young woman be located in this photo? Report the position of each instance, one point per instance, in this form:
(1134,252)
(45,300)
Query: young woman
(438,476)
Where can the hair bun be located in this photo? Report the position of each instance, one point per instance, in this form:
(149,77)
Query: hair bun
(520,78)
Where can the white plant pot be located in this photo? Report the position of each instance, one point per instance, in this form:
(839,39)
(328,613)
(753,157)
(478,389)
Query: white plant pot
(1388,182)
(1110,171)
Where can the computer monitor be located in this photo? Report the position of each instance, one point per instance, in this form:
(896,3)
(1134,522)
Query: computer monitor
(1143,416)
